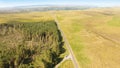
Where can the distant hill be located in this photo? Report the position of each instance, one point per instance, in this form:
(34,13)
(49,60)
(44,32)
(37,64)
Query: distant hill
(42,8)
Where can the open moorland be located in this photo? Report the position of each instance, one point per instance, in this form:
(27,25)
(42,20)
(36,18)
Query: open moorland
(36,40)
(94,36)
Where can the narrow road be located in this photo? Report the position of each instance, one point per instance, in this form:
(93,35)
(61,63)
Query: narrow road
(74,60)
(64,59)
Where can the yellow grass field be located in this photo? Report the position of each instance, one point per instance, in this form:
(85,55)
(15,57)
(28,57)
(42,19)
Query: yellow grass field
(93,35)
(67,64)
(26,17)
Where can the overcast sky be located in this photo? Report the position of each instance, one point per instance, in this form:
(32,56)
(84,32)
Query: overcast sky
(13,3)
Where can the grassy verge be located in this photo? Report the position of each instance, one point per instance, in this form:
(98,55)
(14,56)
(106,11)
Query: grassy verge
(67,64)
(72,28)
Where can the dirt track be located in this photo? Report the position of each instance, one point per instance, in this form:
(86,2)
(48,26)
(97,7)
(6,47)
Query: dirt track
(76,65)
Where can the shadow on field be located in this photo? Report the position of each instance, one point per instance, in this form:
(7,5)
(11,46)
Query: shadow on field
(56,58)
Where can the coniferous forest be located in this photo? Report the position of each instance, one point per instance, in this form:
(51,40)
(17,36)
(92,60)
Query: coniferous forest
(30,45)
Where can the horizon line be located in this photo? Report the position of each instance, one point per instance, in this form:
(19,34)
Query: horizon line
(67,5)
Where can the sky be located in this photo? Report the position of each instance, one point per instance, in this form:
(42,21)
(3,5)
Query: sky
(100,3)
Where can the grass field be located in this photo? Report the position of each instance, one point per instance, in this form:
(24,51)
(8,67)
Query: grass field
(67,64)
(93,50)
(26,17)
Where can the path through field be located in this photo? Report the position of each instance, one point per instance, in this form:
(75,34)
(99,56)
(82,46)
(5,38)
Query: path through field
(72,56)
